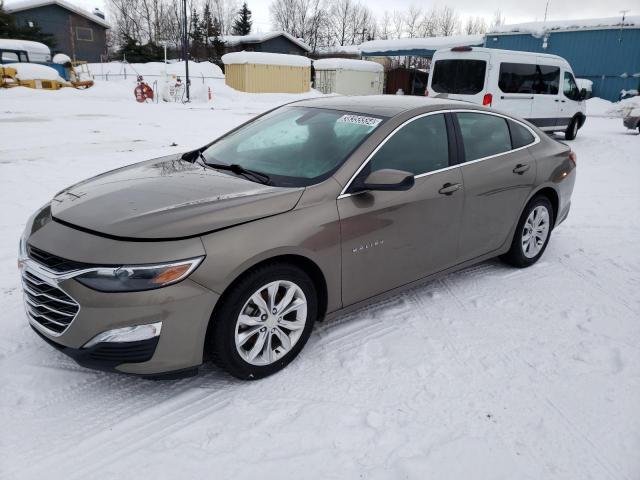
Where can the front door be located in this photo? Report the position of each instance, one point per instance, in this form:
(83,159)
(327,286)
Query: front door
(392,238)
(546,96)
(498,177)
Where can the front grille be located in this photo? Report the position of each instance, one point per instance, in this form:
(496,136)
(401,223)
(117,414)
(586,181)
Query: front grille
(55,263)
(126,352)
(46,304)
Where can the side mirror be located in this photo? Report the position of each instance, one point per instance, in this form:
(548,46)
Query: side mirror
(583,93)
(387,179)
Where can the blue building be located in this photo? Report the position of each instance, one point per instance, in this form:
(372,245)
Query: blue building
(605,51)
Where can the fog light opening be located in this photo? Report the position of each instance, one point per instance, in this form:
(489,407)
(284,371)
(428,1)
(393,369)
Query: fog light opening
(127,334)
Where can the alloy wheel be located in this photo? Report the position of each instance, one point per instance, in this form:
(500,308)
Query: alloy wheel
(535,231)
(271,322)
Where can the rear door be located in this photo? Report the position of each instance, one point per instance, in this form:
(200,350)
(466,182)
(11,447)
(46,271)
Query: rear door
(460,75)
(393,238)
(498,174)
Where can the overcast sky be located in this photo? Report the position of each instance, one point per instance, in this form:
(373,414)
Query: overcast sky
(515,11)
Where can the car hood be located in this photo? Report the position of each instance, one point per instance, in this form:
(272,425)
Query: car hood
(167,198)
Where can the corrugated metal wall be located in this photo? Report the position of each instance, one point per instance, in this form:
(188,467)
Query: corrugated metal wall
(255,78)
(607,57)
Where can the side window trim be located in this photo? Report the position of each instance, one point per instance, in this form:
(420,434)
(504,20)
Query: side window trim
(344,193)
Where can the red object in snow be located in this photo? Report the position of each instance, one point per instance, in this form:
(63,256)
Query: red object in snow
(143,92)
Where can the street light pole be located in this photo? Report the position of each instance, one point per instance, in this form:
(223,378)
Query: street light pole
(185,47)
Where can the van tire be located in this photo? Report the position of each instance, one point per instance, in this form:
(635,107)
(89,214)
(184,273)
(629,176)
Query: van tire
(572,130)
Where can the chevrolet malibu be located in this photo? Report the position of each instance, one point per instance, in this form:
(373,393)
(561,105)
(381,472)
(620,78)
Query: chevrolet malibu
(233,251)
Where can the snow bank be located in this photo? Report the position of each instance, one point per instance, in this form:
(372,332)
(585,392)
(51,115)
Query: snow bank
(540,28)
(598,107)
(430,43)
(239,58)
(28,45)
(347,64)
(584,83)
(34,71)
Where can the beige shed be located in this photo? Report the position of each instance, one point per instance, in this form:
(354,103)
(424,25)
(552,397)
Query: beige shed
(259,72)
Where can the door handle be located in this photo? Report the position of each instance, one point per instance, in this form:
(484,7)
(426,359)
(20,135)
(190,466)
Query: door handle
(521,168)
(449,188)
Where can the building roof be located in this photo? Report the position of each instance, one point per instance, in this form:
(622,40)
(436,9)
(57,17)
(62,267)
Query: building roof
(540,28)
(233,40)
(21,5)
(417,46)
(264,58)
(339,50)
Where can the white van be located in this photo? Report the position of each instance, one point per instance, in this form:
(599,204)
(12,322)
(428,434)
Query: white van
(14,51)
(538,87)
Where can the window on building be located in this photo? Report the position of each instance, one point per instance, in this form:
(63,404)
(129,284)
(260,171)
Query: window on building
(84,34)
(529,78)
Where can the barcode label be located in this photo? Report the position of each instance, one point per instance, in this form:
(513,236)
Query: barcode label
(360,120)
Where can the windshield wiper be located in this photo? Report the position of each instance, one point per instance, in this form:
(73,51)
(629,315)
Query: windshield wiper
(233,168)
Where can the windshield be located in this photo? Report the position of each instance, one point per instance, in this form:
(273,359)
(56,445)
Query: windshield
(294,146)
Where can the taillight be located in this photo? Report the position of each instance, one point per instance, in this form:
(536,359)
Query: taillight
(573,157)
(487,99)
(426,92)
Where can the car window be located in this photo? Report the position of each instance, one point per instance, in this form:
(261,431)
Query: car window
(520,136)
(483,135)
(569,87)
(462,77)
(529,78)
(10,57)
(295,146)
(420,146)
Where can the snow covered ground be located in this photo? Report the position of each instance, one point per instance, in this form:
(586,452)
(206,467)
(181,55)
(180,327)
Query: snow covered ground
(489,373)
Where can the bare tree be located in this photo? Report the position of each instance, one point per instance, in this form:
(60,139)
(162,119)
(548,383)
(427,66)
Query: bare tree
(475,25)
(413,19)
(429,25)
(498,19)
(448,21)
(384,26)
(397,21)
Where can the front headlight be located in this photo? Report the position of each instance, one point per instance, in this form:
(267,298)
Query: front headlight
(138,277)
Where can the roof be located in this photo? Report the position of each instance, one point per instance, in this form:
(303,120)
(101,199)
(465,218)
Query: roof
(540,28)
(347,64)
(500,51)
(418,46)
(233,40)
(339,49)
(264,58)
(384,105)
(22,5)
(26,45)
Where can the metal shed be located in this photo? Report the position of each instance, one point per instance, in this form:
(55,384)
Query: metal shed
(348,77)
(258,72)
(603,50)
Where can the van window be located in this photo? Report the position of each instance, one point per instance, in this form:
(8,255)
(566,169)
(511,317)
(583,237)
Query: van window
(461,77)
(520,136)
(483,135)
(421,146)
(529,78)
(10,57)
(570,88)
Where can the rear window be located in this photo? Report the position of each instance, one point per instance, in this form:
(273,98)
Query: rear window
(520,136)
(529,78)
(483,135)
(461,77)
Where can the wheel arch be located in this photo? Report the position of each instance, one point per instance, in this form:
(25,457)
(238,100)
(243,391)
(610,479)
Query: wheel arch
(552,196)
(305,263)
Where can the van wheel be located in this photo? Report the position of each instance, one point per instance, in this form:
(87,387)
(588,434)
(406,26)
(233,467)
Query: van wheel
(532,233)
(264,321)
(572,130)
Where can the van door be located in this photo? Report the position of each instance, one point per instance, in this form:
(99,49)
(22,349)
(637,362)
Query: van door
(460,75)
(570,100)
(515,88)
(546,95)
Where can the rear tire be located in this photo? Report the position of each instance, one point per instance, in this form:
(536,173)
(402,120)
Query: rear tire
(532,233)
(572,130)
(250,338)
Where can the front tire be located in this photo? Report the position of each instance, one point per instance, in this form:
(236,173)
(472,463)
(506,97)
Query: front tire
(572,130)
(264,321)
(532,233)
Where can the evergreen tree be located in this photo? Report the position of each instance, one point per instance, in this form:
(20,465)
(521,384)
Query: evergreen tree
(134,52)
(242,24)
(196,33)
(218,44)
(207,29)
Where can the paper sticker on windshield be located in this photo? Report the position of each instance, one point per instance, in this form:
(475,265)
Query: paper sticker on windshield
(360,120)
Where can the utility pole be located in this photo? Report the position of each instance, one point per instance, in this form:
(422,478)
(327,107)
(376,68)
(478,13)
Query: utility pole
(624,14)
(185,47)
(546,11)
